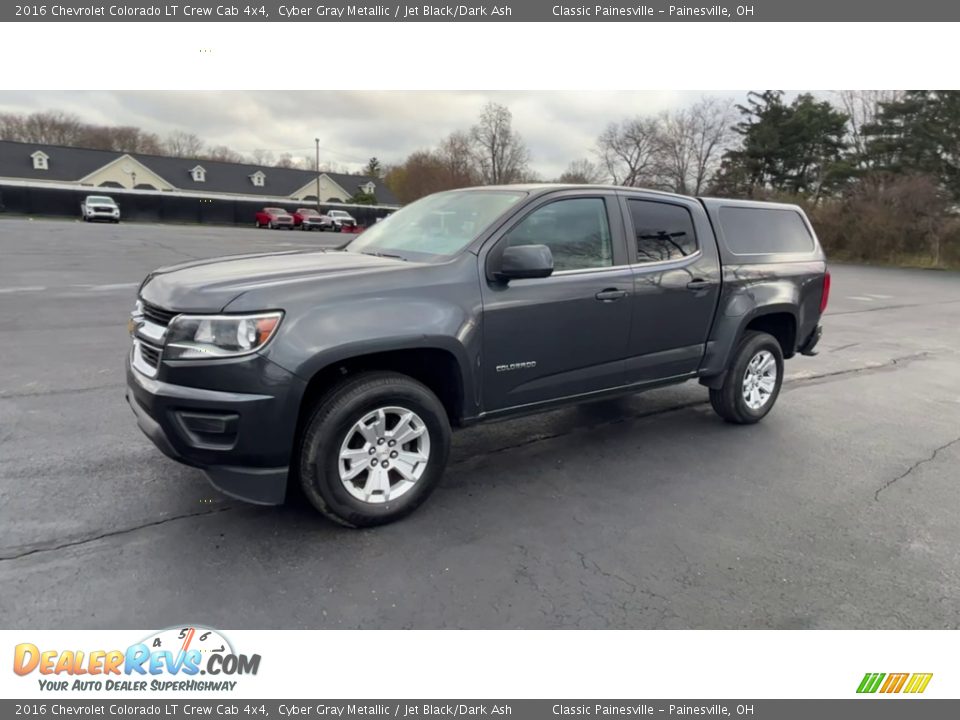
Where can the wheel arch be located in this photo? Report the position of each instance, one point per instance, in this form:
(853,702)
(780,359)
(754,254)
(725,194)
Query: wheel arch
(440,365)
(777,319)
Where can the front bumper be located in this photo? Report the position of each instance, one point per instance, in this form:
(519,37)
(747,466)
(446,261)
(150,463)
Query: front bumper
(242,441)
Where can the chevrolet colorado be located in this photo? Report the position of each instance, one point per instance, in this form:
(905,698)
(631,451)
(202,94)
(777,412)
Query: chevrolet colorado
(344,371)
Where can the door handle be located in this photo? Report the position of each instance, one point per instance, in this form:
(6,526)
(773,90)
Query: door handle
(610,294)
(699,284)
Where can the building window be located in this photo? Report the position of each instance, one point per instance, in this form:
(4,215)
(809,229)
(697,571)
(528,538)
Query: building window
(40,160)
(199,174)
(258,179)
(369,188)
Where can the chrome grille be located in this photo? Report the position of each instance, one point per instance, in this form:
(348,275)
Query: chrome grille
(157,315)
(150,354)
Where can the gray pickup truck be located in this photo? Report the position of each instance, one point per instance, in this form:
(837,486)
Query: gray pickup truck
(343,371)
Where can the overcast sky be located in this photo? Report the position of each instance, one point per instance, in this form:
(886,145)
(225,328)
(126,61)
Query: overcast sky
(353,126)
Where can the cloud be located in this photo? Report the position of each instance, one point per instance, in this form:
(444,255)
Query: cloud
(352,126)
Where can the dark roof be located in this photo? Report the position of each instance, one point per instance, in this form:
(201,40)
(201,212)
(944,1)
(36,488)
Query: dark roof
(69,164)
(72,164)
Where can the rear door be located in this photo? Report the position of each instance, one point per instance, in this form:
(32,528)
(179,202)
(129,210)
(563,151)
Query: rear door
(566,334)
(676,274)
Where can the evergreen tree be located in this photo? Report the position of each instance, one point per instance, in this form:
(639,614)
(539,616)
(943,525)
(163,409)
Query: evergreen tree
(918,134)
(796,148)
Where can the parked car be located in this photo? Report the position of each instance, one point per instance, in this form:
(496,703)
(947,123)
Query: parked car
(99,207)
(344,371)
(341,219)
(271,217)
(310,219)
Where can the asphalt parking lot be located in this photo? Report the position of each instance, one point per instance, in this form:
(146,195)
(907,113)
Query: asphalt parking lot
(838,511)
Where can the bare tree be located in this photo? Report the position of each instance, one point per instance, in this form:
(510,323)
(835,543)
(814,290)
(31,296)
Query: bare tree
(120,139)
(332,167)
(286,161)
(182,145)
(48,128)
(262,157)
(500,152)
(457,157)
(628,151)
(713,135)
(692,142)
(863,108)
(582,171)
(223,153)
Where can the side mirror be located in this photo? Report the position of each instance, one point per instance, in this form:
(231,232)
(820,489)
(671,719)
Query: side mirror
(525,261)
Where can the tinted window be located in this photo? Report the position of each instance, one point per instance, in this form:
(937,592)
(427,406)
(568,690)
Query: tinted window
(575,230)
(751,231)
(664,231)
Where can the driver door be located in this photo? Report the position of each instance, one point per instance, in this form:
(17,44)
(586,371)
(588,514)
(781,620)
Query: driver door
(567,334)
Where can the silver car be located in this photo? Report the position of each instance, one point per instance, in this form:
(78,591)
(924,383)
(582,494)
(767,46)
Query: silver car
(99,207)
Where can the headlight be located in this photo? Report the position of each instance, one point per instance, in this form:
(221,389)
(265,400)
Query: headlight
(195,337)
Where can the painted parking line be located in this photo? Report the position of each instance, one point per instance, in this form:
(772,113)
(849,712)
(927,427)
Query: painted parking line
(25,288)
(113,286)
(861,298)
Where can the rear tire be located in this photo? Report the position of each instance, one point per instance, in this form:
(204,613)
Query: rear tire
(752,382)
(347,439)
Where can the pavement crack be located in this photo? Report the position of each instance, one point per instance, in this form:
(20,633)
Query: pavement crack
(918,463)
(56,546)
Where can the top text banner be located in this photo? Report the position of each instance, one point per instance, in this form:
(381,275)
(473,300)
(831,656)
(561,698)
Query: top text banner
(516,11)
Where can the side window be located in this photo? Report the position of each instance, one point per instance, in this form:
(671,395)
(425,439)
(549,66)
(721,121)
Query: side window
(575,230)
(664,231)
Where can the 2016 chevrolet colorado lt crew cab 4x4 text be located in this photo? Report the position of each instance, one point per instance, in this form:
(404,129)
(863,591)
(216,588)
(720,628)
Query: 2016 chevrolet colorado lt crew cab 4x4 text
(344,370)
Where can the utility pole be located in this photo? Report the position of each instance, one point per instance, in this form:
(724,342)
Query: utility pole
(317,169)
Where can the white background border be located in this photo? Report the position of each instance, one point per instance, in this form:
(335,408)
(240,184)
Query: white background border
(514,56)
(518,664)
(480,56)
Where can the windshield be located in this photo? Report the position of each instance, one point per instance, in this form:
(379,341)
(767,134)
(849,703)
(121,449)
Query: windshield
(100,199)
(339,213)
(437,225)
(304,211)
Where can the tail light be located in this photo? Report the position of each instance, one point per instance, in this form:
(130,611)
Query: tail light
(826,292)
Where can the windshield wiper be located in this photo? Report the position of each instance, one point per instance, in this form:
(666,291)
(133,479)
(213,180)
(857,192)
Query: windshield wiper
(383,255)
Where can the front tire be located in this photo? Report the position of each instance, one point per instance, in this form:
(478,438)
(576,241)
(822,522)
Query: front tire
(373,449)
(752,382)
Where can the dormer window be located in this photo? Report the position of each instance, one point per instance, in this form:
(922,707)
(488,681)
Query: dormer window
(258,179)
(40,160)
(199,174)
(368,188)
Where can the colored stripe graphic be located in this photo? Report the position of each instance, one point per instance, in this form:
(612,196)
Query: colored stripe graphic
(894,682)
(870,682)
(918,682)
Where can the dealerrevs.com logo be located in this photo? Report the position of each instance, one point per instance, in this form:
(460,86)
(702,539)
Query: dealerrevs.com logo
(173,659)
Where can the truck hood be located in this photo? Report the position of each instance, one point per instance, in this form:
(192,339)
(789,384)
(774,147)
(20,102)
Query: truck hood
(210,285)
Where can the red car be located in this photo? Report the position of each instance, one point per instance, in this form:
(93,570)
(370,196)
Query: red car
(272,218)
(310,219)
